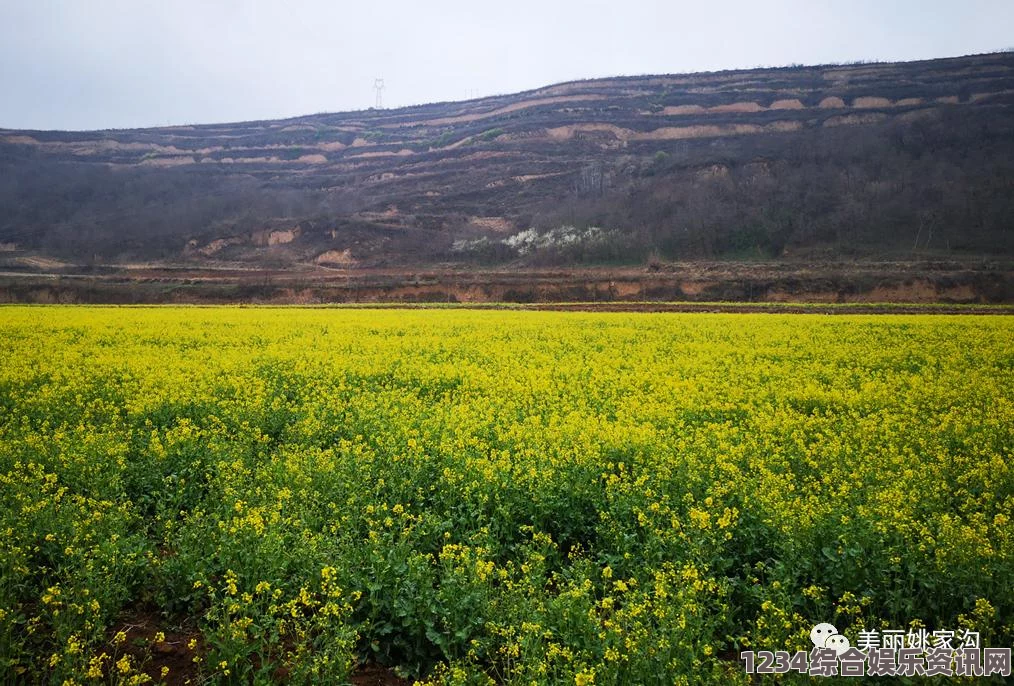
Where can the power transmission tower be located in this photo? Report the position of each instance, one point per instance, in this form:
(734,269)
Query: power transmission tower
(378,85)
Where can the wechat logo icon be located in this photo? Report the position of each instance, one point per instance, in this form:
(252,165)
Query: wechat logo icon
(824,635)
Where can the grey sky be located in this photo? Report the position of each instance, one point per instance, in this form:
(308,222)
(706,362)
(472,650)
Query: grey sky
(88,64)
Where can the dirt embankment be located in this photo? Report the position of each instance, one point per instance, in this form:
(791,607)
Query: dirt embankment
(338,280)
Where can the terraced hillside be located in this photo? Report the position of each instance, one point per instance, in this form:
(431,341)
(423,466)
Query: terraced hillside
(867,160)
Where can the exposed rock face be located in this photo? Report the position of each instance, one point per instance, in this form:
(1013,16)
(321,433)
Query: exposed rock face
(336,258)
(868,102)
(792,104)
(832,103)
(282,237)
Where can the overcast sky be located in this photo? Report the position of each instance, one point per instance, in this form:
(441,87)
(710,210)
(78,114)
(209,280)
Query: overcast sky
(92,64)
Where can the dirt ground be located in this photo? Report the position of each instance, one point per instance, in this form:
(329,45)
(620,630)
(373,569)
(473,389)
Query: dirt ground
(691,286)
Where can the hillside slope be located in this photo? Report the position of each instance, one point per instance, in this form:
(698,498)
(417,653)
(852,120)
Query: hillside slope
(867,160)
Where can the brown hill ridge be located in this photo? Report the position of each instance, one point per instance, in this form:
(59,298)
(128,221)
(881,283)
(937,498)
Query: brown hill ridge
(866,161)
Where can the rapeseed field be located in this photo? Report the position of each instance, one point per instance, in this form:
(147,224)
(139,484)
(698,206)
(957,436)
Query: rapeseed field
(491,497)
